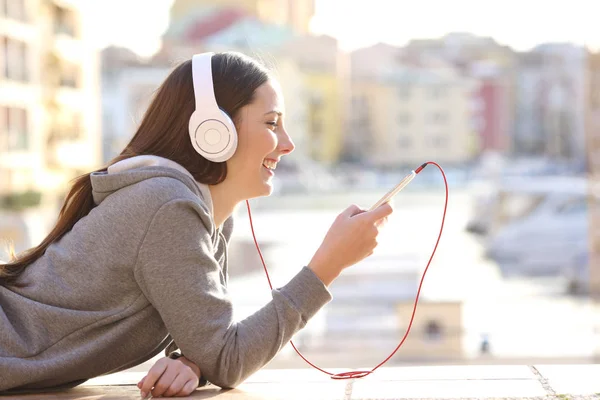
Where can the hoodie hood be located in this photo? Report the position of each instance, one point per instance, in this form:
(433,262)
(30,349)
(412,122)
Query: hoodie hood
(139,168)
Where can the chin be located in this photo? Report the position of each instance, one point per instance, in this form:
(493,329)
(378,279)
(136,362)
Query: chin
(264,189)
(267,189)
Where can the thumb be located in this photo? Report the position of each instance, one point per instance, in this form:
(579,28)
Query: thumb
(140,383)
(381,212)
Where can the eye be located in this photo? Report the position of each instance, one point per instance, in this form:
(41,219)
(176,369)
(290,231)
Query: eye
(272,124)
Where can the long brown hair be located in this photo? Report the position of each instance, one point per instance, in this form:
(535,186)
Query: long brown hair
(163,132)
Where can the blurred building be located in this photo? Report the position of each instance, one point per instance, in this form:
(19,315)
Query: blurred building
(295,14)
(322,66)
(365,65)
(492,65)
(461,49)
(593,167)
(551,102)
(593,112)
(49,111)
(309,69)
(492,106)
(408,112)
(127,89)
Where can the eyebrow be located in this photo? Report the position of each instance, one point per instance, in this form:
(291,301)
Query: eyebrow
(274,112)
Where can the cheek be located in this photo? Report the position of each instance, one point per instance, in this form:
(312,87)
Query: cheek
(262,144)
(269,142)
(254,146)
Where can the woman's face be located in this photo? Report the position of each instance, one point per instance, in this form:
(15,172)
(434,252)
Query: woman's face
(262,141)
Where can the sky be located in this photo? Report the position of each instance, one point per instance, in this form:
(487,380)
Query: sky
(519,23)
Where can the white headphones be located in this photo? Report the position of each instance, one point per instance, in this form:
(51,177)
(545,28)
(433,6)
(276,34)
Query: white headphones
(212,131)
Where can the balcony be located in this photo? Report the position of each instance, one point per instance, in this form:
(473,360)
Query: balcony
(20,201)
(68,154)
(65,21)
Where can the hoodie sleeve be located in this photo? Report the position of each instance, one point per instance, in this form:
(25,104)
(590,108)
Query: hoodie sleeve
(178,273)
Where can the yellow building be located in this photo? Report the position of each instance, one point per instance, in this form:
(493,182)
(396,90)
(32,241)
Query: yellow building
(321,65)
(296,14)
(49,107)
(406,115)
(324,117)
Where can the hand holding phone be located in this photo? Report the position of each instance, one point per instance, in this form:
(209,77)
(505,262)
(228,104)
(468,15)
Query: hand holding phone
(396,189)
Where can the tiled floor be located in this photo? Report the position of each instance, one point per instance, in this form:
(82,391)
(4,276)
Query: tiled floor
(443,382)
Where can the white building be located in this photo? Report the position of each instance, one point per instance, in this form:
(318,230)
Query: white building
(127,89)
(551,102)
(49,110)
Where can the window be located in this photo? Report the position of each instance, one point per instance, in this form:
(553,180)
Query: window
(14,59)
(4,57)
(20,71)
(315,107)
(437,91)
(573,206)
(13,9)
(14,128)
(438,117)
(359,101)
(595,90)
(404,92)
(404,118)
(404,141)
(3,128)
(438,141)
(433,331)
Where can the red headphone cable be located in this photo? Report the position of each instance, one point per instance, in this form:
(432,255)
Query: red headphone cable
(360,374)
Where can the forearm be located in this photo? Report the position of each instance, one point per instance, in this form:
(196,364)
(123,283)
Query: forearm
(228,357)
(184,282)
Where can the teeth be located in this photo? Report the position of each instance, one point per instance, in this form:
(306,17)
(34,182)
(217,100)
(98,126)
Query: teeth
(270,164)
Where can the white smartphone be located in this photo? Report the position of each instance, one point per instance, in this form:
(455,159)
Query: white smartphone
(395,190)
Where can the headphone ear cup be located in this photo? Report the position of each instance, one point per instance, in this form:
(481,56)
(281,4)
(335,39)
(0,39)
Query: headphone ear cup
(213,138)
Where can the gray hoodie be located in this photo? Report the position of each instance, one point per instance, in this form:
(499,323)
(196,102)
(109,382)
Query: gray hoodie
(145,269)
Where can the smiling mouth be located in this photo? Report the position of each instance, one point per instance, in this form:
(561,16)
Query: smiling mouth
(270,164)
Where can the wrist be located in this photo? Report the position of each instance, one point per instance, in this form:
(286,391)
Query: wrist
(325,274)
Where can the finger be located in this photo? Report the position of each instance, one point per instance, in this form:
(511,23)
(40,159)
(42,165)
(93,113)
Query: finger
(140,383)
(164,382)
(187,389)
(380,223)
(380,212)
(153,375)
(180,381)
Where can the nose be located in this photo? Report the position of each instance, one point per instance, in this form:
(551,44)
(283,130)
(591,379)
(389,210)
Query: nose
(285,144)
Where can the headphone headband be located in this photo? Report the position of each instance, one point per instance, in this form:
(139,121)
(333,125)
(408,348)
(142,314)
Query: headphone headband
(203,84)
(211,130)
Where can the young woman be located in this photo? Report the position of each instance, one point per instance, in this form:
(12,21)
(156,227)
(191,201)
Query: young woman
(137,261)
